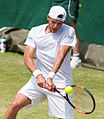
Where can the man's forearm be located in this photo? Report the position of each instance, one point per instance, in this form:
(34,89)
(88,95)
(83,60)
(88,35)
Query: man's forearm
(57,64)
(30,64)
(28,59)
(62,52)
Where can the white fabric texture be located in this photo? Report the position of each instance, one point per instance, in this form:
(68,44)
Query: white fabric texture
(46,46)
(51,75)
(36,73)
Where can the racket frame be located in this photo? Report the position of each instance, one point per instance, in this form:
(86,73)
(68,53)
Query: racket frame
(66,97)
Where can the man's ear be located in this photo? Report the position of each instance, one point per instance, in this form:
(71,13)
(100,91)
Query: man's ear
(48,17)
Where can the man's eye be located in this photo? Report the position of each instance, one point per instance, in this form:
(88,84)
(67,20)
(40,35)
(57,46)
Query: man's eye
(56,23)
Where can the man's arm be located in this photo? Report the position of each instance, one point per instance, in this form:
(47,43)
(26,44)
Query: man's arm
(28,60)
(62,52)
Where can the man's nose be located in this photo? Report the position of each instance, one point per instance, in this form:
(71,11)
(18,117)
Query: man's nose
(55,25)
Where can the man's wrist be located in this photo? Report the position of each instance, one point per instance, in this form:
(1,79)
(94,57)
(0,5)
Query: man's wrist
(51,75)
(36,73)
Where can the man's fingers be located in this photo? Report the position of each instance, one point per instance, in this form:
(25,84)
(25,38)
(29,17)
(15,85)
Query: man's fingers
(40,81)
(47,87)
(41,85)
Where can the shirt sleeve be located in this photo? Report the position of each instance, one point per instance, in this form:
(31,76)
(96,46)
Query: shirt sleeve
(69,38)
(30,39)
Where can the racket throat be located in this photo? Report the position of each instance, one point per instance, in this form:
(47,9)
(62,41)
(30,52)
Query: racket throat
(69,101)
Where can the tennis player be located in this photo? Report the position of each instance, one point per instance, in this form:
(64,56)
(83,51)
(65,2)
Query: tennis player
(52,44)
(71,7)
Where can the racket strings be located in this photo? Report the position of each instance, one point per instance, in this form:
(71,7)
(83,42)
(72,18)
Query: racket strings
(82,100)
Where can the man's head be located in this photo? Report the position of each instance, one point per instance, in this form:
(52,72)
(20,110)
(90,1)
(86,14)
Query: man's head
(56,18)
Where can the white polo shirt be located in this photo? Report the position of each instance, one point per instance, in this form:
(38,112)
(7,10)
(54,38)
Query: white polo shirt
(46,47)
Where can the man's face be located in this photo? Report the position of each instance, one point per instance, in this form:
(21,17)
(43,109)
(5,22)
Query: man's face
(54,25)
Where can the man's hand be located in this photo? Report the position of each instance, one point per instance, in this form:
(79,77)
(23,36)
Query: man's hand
(41,81)
(50,84)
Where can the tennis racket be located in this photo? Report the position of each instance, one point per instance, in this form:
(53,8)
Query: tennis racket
(82,99)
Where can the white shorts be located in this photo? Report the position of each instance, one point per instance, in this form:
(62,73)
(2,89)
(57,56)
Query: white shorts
(58,106)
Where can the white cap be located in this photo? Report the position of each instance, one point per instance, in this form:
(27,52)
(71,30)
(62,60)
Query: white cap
(58,13)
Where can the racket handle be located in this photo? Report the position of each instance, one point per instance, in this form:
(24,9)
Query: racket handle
(55,89)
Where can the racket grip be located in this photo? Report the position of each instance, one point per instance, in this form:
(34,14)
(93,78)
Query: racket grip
(55,89)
